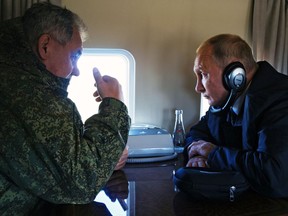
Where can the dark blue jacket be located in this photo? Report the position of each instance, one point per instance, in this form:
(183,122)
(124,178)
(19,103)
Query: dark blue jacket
(257,144)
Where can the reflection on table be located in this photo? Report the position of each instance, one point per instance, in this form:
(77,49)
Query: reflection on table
(148,190)
(116,194)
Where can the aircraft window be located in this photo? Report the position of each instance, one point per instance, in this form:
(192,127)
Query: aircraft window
(118,63)
(204,106)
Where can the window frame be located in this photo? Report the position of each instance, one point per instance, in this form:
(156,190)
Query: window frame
(131,65)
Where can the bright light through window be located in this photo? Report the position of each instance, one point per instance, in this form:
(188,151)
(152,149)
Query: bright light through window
(117,63)
(204,106)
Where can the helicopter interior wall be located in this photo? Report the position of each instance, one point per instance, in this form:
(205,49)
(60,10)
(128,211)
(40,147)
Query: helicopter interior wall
(162,35)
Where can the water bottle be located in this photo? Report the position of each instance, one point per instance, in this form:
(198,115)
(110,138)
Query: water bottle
(179,132)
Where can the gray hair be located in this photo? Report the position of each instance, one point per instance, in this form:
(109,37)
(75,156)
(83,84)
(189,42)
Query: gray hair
(225,47)
(45,18)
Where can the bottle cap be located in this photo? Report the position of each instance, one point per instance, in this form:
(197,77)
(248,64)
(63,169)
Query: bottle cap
(178,111)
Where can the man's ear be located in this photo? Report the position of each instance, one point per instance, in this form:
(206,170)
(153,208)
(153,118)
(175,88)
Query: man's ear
(42,46)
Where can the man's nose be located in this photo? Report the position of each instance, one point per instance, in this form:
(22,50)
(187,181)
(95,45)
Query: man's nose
(75,71)
(199,88)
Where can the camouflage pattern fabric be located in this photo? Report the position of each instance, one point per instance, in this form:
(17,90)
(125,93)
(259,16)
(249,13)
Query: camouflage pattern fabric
(46,152)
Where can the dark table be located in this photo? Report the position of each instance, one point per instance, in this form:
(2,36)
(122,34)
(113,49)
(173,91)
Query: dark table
(150,192)
(155,194)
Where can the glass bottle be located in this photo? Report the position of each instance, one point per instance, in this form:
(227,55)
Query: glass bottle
(179,132)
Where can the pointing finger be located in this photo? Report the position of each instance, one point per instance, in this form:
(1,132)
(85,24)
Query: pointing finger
(97,75)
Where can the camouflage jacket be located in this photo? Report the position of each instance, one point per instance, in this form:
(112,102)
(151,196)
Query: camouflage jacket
(46,152)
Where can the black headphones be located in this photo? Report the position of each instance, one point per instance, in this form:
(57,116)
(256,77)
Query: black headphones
(234,80)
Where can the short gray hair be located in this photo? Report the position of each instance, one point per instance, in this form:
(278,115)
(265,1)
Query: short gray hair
(228,46)
(45,18)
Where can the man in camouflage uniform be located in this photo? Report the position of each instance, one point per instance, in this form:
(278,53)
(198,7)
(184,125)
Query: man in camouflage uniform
(46,152)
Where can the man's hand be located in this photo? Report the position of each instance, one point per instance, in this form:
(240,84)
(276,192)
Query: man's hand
(198,153)
(122,161)
(197,161)
(200,148)
(106,87)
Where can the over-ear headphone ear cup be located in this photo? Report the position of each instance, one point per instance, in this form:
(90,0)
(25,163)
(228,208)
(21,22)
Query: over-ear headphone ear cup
(234,77)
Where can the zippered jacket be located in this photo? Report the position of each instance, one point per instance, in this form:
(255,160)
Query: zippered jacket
(256,141)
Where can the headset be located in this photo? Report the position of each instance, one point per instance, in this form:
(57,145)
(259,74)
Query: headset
(234,80)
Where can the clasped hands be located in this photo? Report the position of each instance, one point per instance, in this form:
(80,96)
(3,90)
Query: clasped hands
(198,152)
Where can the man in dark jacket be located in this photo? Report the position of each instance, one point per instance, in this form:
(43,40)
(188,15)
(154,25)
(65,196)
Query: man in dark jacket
(46,152)
(246,126)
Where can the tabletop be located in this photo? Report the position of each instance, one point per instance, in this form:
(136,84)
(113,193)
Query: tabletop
(148,190)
